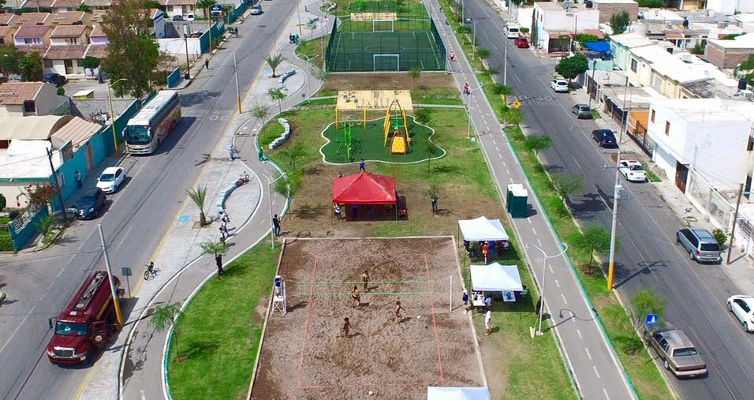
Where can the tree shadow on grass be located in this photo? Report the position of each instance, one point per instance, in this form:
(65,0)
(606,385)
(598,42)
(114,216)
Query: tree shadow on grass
(197,348)
(310,212)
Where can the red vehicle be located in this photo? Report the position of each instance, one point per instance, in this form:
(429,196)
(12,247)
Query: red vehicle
(87,323)
(522,43)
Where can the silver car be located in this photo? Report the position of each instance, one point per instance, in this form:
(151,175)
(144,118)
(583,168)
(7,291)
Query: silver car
(582,111)
(700,244)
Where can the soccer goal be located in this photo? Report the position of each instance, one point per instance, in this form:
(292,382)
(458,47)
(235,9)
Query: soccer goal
(387,62)
(383,25)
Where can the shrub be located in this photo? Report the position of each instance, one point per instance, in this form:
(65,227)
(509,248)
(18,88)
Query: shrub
(720,236)
(6,244)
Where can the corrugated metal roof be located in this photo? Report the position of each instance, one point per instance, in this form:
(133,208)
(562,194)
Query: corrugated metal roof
(78,131)
(31,128)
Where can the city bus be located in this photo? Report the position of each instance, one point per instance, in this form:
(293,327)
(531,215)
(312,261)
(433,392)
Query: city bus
(152,124)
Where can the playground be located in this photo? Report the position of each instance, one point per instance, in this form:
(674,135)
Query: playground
(305,356)
(395,138)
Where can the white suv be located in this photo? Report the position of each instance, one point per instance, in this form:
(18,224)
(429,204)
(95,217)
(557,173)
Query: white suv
(559,85)
(512,31)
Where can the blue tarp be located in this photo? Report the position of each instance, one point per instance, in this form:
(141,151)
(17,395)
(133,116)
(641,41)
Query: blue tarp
(599,47)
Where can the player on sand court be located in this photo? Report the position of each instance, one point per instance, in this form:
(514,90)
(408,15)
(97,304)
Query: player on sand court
(346,327)
(365,279)
(398,308)
(355,297)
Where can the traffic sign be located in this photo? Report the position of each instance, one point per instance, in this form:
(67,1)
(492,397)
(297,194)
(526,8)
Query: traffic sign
(516,105)
(651,319)
(216,9)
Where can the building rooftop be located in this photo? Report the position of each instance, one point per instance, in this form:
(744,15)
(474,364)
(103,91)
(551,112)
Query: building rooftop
(66,4)
(7,18)
(739,42)
(614,2)
(660,15)
(7,30)
(32,18)
(78,131)
(98,3)
(16,93)
(38,4)
(711,109)
(27,159)
(96,50)
(65,52)
(68,31)
(68,17)
(97,31)
(550,6)
(97,15)
(631,40)
(32,127)
(31,31)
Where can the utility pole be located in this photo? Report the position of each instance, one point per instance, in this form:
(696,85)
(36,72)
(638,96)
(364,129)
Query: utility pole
(473,39)
(185,40)
(57,185)
(505,64)
(735,219)
(238,92)
(118,315)
(617,187)
(594,65)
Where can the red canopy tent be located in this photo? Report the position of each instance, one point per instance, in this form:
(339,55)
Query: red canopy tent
(364,188)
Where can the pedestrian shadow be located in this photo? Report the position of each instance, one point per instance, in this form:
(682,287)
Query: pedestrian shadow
(300,304)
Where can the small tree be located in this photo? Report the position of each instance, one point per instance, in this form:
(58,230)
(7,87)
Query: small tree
(277,95)
(31,66)
(274,62)
(260,112)
(3,202)
(431,151)
(83,7)
(596,239)
(293,153)
(423,115)
(587,38)
(537,143)
(645,302)
(720,236)
(499,89)
(205,5)
(198,196)
(571,67)
(415,73)
(482,52)
(289,185)
(512,116)
(567,184)
(215,248)
(90,62)
(619,22)
(163,316)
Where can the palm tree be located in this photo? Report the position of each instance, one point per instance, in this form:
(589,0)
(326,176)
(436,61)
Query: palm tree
(432,151)
(260,112)
(502,90)
(214,248)
(415,73)
(205,5)
(537,143)
(163,317)
(274,62)
(277,95)
(198,196)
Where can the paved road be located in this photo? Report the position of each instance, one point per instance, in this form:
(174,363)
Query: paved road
(41,283)
(648,256)
(588,354)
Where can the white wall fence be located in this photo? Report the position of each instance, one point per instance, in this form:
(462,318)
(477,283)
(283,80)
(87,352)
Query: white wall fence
(177,46)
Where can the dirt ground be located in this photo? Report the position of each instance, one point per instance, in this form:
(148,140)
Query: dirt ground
(303,355)
(394,81)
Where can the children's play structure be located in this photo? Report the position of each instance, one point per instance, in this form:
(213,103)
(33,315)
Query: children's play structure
(395,117)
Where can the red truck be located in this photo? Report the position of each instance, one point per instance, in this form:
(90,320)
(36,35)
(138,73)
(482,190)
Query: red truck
(87,323)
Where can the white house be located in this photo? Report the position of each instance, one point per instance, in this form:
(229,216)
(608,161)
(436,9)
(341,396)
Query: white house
(551,21)
(730,7)
(709,138)
(621,45)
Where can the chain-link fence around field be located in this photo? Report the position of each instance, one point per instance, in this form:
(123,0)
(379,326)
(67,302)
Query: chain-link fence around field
(399,45)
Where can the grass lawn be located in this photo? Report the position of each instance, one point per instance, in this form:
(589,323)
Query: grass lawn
(313,50)
(6,244)
(368,143)
(220,338)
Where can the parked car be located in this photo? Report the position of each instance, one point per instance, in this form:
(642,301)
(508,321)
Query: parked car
(633,171)
(559,85)
(700,244)
(677,352)
(256,9)
(582,111)
(604,137)
(55,78)
(522,43)
(190,17)
(512,31)
(743,308)
(111,179)
(91,204)
(177,17)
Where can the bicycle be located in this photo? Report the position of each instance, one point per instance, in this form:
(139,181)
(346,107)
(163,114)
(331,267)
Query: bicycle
(151,272)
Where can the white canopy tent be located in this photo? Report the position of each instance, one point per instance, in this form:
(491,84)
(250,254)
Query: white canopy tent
(482,229)
(457,393)
(495,278)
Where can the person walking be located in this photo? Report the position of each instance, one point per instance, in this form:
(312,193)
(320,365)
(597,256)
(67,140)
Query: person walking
(337,211)
(488,322)
(398,308)
(219,262)
(77,176)
(276,225)
(362,166)
(225,218)
(223,236)
(355,297)
(224,227)
(538,306)
(346,327)
(452,55)
(206,63)
(465,298)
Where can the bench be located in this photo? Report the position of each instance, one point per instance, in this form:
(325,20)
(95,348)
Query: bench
(286,76)
(283,137)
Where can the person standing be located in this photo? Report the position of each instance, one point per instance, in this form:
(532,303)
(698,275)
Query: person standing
(434,205)
(223,236)
(465,298)
(486,251)
(225,217)
(346,327)
(219,262)
(337,211)
(398,308)
(488,322)
(538,306)
(224,227)
(77,176)
(362,166)
(276,225)
(365,279)
(355,297)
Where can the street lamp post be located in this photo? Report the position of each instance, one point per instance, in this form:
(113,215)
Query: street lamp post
(112,112)
(544,270)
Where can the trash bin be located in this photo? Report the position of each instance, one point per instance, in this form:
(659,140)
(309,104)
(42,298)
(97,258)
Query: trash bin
(517,201)
(186,76)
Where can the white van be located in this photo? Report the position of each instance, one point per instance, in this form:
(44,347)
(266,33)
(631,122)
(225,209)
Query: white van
(512,31)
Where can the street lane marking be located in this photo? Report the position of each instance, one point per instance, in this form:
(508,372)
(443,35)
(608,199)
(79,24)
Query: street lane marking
(549,266)
(578,332)
(533,230)
(595,371)
(589,355)
(605,392)
(539,242)
(562,296)
(557,283)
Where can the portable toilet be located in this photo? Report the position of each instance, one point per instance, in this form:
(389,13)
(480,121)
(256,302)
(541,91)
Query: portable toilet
(517,201)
